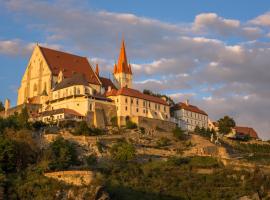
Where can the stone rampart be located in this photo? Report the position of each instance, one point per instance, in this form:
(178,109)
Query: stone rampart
(77,178)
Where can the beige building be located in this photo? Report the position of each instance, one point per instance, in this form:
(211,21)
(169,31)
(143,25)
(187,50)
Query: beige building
(132,103)
(189,116)
(65,86)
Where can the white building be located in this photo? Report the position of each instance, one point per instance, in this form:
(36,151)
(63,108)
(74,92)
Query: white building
(189,116)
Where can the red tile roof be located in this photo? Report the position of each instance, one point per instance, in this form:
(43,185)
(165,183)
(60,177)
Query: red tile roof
(246,131)
(189,107)
(69,64)
(137,94)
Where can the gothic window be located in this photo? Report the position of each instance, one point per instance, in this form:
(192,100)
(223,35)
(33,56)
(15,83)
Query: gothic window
(35,87)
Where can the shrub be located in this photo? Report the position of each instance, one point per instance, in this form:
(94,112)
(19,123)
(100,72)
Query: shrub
(162,142)
(114,121)
(142,129)
(178,161)
(83,129)
(178,133)
(37,125)
(131,125)
(62,154)
(91,160)
(123,151)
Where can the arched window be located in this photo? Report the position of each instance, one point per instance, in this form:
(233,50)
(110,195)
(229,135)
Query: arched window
(35,87)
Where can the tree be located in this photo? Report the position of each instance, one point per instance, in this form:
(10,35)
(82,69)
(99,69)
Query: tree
(178,133)
(2,107)
(123,151)
(226,124)
(168,99)
(62,154)
(23,118)
(8,152)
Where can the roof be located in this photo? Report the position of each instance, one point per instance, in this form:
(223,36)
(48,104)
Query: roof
(122,66)
(137,94)
(60,111)
(76,79)
(189,107)
(246,131)
(68,64)
(106,83)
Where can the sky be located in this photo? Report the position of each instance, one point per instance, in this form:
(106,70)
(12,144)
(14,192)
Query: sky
(214,53)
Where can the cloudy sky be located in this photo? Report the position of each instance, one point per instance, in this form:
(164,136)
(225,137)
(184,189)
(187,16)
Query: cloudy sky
(215,53)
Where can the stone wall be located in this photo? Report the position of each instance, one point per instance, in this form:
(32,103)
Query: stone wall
(32,109)
(149,123)
(77,178)
(105,111)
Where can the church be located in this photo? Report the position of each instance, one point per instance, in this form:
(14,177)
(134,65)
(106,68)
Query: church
(67,87)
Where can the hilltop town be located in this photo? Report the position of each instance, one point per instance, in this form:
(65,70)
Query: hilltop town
(75,134)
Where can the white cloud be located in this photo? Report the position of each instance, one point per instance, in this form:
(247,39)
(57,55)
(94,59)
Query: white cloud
(262,20)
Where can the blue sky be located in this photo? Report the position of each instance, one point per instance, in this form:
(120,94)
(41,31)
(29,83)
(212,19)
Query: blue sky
(214,53)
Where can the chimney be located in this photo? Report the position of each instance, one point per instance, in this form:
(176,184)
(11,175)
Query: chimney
(187,102)
(7,106)
(60,77)
(97,70)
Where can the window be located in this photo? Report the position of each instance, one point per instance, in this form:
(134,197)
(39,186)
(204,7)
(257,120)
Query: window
(137,101)
(164,108)
(90,107)
(137,109)
(78,104)
(131,101)
(143,103)
(126,108)
(78,91)
(126,100)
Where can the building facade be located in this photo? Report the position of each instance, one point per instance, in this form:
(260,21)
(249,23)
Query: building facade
(189,116)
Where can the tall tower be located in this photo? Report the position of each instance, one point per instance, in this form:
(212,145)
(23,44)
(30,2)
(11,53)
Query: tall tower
(122,71)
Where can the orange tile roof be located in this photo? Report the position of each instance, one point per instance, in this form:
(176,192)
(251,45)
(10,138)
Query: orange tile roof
(60,111)
(189,107)
(106,83)
(246,131)
(122,66)
(137,94)
(69,63)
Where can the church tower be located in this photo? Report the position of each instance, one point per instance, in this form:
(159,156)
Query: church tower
(122,71)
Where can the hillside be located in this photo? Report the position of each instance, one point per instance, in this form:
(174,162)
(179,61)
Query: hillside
(78,162)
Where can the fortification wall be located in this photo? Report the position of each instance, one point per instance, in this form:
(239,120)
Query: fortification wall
(77,178)
(150,123)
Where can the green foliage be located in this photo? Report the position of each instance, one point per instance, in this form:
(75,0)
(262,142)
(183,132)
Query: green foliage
(179,133)
(173,180)
(226,124)
(178,161)
(23,118)
(91,160)
(142,129)
(163,142)
(123,151)
(62,154)
(83,129)
(2,107)
(131,125)
(204,132)
(8,155)
(37,125)
(114,121)
(204,162)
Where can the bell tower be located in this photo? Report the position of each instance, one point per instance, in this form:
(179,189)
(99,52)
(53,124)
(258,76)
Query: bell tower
(122,70)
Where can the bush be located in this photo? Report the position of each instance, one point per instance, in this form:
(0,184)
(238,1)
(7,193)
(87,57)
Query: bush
(91,160)
(177,161)
(179,133)
(131,125)
(37,125)
(83,129)
(123,151)
(114,121)
(62,154)
(163,142)
(142,129)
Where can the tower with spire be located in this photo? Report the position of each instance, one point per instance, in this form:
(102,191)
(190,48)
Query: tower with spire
(122,70)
